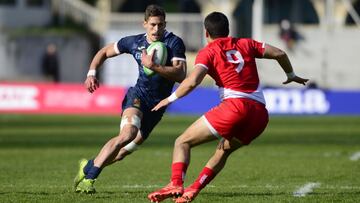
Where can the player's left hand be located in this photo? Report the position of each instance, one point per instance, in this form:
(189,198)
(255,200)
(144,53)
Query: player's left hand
(147,60)
(161,104)
(296,79)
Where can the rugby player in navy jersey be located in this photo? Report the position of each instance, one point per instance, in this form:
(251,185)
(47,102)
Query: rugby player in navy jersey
(137,118)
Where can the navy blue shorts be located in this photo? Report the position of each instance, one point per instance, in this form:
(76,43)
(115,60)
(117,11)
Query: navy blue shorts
(150,118)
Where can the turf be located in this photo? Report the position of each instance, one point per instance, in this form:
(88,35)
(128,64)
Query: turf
(39,154)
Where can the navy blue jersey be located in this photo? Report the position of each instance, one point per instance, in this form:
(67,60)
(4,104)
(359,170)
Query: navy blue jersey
(152,89)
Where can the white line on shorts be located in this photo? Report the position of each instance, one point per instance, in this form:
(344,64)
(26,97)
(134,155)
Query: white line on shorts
(355,156)
(306,189)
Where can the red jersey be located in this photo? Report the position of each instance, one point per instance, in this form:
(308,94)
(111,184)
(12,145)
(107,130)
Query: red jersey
(231,63)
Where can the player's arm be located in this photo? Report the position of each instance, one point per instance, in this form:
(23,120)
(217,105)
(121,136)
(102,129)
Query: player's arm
(176,72)
(91,82)
(190,83)
(281,57)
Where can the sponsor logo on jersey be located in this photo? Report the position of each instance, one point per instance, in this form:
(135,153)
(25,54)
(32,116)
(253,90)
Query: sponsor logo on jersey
(141,48)
(136,103)
(138,55)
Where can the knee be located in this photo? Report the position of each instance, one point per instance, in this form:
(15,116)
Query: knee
(226,151)
(134,121)
(222,154)
(227,147)
(182,142)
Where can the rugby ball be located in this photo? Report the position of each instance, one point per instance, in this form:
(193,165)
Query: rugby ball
(160,55)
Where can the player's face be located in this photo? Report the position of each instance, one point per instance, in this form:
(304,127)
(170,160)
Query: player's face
(155,28)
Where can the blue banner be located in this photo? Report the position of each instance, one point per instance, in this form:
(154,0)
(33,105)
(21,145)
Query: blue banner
(279,101)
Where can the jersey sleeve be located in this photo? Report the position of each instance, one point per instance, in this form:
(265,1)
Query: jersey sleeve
(258,48)
(177,50)
(124,45)
(203,59)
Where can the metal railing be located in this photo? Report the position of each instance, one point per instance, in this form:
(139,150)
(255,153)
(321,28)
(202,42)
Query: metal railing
(187,26)
(79,11)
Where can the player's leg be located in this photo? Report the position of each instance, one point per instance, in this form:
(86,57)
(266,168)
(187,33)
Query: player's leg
(196,134)
(149,120)
(215,164)
(222,152)
(199,132)
(130,148)
(244,121)
(131,121)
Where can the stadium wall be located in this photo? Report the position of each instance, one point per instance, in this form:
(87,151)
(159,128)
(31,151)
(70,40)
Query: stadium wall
(326,57)
(21,54)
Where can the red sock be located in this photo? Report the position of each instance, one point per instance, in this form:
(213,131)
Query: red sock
(178,171)
(204,178)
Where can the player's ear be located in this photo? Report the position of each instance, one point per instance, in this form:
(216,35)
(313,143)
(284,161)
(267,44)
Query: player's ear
(144,23)
(206,33)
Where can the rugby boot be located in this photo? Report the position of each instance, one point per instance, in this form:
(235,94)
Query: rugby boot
(168,191)
(188,195)
(80,175)
(86,186)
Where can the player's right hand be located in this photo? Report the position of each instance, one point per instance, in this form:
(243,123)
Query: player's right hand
(296,79)
(147,60)
(91,84)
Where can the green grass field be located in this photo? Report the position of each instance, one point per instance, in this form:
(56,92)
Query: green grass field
(39,155)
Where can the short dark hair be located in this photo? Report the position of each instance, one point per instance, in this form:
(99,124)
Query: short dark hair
(154,10)
(217,25)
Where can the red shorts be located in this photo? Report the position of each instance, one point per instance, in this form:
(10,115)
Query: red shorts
(242,118)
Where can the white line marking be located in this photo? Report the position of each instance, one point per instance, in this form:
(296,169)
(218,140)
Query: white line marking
(355,156)
(332,154)
(141,186)
(306,189)
(137,186)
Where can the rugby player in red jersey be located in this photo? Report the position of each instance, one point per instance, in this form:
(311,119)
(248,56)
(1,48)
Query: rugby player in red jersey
(237,120)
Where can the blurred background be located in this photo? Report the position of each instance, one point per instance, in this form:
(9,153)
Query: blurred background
(46,47)
(48,120)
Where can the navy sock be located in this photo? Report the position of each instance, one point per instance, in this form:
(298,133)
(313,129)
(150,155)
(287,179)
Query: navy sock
(93,173)
(88,166)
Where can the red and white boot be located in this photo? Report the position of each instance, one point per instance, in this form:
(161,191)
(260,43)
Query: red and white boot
(188,195)
(168,191)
